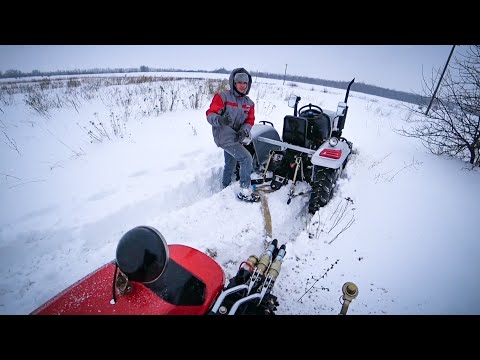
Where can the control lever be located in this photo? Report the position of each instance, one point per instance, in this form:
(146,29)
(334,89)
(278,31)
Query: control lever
(350,292)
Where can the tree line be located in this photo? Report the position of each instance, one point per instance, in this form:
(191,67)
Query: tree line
(358,86)
(451,128)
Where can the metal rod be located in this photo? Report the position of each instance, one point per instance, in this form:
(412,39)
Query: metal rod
(225,293)
(286,145)
(235,306)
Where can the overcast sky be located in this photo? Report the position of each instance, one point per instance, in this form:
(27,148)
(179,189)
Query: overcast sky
(397,67)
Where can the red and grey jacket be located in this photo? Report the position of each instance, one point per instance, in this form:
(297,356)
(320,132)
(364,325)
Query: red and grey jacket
(240,108)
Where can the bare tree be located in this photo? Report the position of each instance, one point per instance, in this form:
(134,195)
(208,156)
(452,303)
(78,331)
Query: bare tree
(452,127)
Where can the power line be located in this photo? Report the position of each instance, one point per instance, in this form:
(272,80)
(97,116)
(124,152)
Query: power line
(439,81)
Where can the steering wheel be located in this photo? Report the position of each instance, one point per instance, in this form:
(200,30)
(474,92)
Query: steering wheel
(312,110)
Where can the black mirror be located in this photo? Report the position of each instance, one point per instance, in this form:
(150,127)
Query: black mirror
(341,107)
(142,254)
(292,100)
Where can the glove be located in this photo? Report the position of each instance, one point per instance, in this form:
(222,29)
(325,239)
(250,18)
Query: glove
(225,120)
(240,136)
(245,129)
(243,133)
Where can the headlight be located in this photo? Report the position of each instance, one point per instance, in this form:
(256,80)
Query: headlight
(333,141)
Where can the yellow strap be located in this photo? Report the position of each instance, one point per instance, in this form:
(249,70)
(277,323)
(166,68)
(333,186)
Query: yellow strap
(267,219)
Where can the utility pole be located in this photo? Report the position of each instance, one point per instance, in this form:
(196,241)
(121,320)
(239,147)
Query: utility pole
(285,74)
(439,81)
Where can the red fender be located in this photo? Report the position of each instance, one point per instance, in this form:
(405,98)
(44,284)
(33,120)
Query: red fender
(92,295)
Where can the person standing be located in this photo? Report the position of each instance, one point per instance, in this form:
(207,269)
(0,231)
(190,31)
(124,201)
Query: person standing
(232,115)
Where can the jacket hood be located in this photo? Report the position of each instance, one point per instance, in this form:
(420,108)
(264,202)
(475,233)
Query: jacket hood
(232,85)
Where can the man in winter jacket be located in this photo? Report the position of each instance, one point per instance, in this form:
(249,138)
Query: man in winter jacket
(232,115)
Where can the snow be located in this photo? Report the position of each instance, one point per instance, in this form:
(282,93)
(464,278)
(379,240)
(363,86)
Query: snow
(401,225)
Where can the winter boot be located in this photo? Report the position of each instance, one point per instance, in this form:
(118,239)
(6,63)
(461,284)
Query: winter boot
(248,195)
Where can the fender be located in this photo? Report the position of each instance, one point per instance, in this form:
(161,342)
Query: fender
(331,156)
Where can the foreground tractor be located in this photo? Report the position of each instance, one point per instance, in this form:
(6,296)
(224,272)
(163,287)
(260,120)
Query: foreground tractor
(311,149)
(149,277)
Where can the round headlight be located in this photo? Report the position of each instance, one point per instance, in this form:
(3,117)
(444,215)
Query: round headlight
(333,141)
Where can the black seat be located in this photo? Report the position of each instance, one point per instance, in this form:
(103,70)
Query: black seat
(319,128)
(295,130)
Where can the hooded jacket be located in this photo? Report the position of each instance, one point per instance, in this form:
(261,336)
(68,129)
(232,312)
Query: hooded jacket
(240,108)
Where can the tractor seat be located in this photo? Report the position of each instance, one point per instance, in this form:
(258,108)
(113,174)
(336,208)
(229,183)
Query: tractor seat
(295,130)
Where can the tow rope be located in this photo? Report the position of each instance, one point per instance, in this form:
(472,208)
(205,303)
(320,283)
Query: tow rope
(267,219)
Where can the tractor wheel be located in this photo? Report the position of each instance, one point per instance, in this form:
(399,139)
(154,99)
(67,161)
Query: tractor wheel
(324,180)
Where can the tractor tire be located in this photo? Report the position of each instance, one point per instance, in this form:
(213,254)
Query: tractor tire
(324,180)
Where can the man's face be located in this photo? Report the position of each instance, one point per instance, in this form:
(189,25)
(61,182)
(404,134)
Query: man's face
(241,87)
